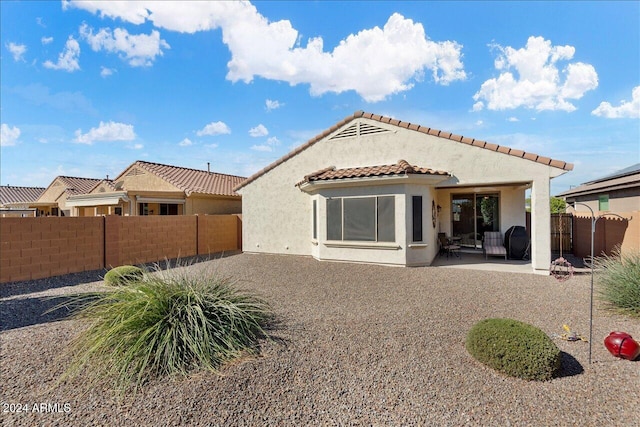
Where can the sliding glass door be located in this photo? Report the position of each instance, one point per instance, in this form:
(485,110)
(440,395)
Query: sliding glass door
(472,215)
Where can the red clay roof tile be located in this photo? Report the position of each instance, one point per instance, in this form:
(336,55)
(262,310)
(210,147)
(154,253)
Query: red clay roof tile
(13,194)
(382,119)
(401,168)
(193,180)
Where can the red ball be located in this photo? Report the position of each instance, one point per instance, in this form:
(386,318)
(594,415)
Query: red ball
(621,344)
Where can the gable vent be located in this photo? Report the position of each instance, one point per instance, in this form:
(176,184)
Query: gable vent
(135,172)
(366,129)
(359,129)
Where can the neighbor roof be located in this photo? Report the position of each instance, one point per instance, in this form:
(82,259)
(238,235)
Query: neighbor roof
(430,131)
(401,168)
(192,180)
(620,180)
(11,194)
(75,185)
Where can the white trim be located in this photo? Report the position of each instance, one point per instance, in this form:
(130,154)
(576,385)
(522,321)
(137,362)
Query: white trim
(100,199)
(361,245)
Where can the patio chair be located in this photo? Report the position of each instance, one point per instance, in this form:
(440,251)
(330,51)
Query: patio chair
(492,244)
(447,246)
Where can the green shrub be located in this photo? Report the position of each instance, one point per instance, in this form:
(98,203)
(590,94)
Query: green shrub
(619,281)
(125,274)
(174,322)
(514,348)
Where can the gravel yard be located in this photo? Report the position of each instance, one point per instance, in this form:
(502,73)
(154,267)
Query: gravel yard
(358,345)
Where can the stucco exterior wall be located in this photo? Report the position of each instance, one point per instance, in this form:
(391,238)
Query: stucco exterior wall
(276,214)
(213,205)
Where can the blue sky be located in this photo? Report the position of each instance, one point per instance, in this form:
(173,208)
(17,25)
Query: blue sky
(88,87)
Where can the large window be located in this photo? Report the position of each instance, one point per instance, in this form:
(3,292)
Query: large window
(368,219)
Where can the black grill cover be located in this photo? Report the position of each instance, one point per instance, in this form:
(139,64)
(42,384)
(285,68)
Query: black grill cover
(516,241)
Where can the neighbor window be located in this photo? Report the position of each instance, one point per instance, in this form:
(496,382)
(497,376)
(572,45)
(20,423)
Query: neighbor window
(603,202)
(368,219)
(168,209)
(417,218)
(144,209)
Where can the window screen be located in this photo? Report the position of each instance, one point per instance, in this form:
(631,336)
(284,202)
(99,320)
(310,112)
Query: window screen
(386,219)
(417,218)
(334,219)
(315,219)
(366,219)
(359,219)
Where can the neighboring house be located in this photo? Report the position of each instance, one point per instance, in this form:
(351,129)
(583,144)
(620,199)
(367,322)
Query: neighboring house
(14,201)
(54,200)
(617,192)
(615,200)
(377,190)
(146,188)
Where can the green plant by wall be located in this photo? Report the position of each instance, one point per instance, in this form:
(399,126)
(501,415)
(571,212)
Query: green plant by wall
(618,281)
(514,348)
(173,322)
(125,274)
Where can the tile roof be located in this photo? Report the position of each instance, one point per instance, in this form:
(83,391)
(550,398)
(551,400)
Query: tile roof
(75,185)
(109,183)
(626,178)
(11,194)
(430,131)
(401,168)
(193,180)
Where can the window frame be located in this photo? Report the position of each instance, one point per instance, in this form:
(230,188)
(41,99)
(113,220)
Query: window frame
(603,202)
(333,227)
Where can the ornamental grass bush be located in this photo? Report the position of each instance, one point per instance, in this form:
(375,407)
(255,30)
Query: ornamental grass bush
(514,348)
(173,322)
(618,281)
(123,275)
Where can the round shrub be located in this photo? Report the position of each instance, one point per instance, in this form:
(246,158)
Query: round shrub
(123,275)
(514,348)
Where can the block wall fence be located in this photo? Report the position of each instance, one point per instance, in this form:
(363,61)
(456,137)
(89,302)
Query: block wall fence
(36,248)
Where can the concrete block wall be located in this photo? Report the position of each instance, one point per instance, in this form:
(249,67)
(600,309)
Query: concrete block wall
(218,233)
(35,248)
(142,239)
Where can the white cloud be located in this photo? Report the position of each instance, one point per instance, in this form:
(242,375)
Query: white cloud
(214,128)
(106,72)
(258,131)
(185,142)
(375,62)
(68,58)
(46,40)
(513,119)
(110,131)
(268,146)
(8,135)
(139,50)
(624,110)
(273,105)
(262,147)
(538,81)
(479,123)
(17,50)
(137,147)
